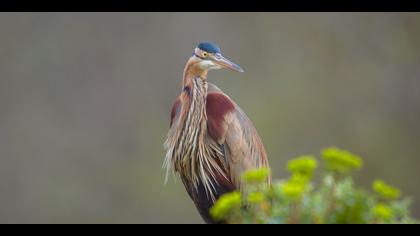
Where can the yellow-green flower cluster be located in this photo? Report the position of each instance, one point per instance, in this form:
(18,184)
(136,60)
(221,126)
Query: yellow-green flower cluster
(302,169)
(341,161)
(382,212)
(256,175)
(225,204)
(293,189)
(385,190)
(303,166)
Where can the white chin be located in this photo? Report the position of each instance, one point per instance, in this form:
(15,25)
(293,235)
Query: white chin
(207,65)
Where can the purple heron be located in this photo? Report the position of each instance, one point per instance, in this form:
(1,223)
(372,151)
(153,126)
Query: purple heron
(211,141)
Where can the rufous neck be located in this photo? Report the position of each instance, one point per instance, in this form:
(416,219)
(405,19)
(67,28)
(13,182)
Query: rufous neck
(193,70)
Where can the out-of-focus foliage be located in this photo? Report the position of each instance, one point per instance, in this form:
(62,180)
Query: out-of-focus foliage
(336,200)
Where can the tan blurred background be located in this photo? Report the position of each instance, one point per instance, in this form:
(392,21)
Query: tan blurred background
(85,101)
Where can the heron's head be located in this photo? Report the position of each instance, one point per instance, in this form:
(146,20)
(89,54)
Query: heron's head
(209,57)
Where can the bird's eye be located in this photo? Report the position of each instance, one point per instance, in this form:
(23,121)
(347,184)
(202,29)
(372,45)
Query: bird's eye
(205,54)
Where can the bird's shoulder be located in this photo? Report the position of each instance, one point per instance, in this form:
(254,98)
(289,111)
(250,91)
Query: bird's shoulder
(224,114)
(219,107)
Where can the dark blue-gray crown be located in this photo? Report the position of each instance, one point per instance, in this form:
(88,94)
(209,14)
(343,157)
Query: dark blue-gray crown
(209,47)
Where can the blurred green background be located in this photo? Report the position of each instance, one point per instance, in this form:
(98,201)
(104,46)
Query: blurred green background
(85,101)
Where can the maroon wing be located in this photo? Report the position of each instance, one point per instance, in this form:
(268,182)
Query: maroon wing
(230,127)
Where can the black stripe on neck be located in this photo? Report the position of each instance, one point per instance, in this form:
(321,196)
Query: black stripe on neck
(187,90)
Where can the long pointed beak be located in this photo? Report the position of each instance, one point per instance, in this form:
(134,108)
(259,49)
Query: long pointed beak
(220,60)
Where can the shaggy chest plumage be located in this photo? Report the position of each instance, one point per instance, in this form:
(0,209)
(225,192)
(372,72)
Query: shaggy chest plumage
(188,146)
